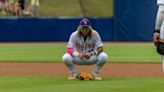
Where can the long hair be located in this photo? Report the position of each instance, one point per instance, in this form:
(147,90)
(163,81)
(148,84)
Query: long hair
(80,34)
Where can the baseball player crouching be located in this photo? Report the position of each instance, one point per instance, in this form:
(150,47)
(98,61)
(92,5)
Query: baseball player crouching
(85,48)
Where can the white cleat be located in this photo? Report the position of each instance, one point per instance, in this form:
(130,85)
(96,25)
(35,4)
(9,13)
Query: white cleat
(97,78)
(72,78)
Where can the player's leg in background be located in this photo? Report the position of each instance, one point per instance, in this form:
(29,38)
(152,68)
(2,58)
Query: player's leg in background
(102,59)
(162,63)
(68,61)
(162,37)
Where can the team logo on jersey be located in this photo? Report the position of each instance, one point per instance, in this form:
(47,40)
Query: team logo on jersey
(85,45)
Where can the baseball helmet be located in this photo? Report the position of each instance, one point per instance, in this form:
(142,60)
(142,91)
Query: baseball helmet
(85,22)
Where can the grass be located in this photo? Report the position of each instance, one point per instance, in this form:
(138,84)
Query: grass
(118,52)
(53,52)
(99,8)
(54,84)
(60,8)
(72,8)
(132,53)
(31,52)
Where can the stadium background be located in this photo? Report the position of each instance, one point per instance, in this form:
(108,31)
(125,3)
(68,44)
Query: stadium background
(31,47)
(132,21)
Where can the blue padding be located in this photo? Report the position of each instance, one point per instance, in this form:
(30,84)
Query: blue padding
(49,29)
(134,20)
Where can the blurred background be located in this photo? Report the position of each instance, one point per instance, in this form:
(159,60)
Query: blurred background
(58,8)
(34,31)
(47,20)
(117,21)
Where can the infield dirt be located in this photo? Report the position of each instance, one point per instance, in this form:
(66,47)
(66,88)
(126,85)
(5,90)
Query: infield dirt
(59,69)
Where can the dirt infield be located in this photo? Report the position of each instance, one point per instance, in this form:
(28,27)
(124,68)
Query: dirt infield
(59,69)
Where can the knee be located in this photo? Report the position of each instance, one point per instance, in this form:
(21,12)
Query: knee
(103,57)
(67,58)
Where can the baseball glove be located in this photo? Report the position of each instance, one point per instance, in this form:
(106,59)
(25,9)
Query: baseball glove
(85,76)
(160,47)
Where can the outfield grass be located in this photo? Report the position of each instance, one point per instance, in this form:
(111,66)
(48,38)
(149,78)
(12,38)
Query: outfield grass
(61,84)
(136,52)
(99,8)
(53,52)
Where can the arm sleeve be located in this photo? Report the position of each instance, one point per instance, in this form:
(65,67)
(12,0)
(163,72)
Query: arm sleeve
(159,17)
(71,42)
(98,40)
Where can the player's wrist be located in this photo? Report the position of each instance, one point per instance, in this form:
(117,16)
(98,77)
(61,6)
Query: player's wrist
(157,31)
(95,52)
(75,54)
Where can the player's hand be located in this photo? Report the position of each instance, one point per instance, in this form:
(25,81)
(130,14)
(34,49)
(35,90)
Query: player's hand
(88,55)
(81,55)
(155,38)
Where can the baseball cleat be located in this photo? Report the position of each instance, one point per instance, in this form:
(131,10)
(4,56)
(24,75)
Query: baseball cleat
(95,77)
(73,77)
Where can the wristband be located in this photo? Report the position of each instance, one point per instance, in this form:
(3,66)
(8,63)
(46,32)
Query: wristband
(156,31)
(94,52)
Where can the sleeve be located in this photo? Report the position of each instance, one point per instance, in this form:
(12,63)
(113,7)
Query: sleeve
(160,17)
(71,42)
(71,45)
(98,40)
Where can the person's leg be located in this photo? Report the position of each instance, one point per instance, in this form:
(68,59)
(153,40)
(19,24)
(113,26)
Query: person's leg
(99,60)
(92,60)
(162,37)
(102,59)
(68,61)
(33,10)
(162,63)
